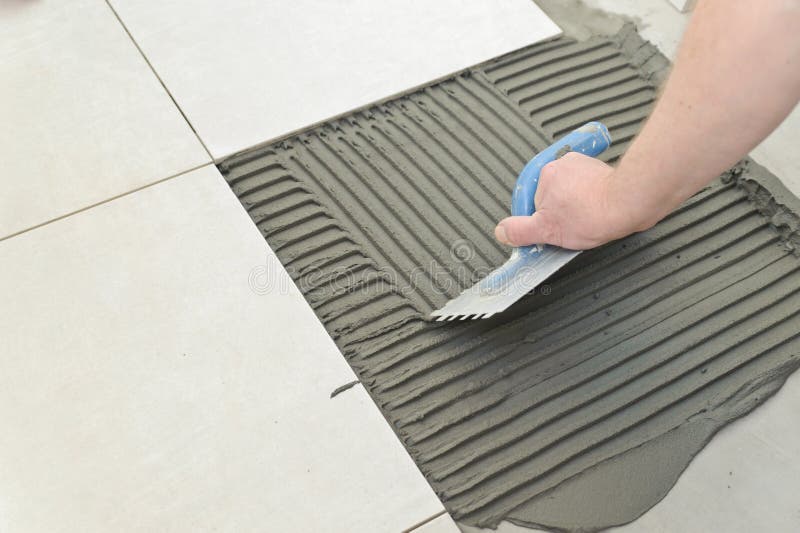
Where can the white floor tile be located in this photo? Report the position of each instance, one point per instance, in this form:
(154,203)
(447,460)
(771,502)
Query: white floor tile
(779,152)
(148,384)
(245,72)
(82,116)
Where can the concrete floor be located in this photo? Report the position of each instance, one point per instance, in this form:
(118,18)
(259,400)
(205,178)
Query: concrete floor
(746,479)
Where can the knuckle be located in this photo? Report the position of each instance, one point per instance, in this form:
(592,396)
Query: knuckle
(548,171)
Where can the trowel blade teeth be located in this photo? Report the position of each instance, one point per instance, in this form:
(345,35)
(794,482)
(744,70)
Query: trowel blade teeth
(526,272)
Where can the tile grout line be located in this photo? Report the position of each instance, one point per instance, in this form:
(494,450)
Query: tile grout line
(185,118)
(107,200)
(425,521)
(155,73)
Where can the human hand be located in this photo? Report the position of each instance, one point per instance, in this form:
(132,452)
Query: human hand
(576,208)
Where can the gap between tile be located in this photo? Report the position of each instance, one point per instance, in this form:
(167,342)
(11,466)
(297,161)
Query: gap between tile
(166,89)
(81,210)
(426,521)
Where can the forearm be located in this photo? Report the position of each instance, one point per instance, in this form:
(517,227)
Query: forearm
(736,77)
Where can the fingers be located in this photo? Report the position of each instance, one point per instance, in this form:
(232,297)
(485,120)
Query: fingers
(569,207)
(535,229)
(522,231)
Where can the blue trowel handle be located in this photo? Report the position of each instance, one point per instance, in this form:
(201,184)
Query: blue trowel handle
(590,139)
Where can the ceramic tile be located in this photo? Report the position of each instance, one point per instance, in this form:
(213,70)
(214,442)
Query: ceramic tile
(160,372)
(441,524)
(246,72)
(779,152)
(82,116)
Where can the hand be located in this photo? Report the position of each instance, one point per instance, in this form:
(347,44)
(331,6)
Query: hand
(574,208)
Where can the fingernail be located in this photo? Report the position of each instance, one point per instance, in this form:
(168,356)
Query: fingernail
(500,234)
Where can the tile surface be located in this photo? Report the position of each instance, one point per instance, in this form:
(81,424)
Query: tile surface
(82,116)
(160,372)
(247,72)
(779,152)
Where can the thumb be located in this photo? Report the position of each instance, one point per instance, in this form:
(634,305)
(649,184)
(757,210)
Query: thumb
(522,231)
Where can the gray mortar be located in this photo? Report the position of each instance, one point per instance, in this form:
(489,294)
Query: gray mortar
(582,22)
(574,410)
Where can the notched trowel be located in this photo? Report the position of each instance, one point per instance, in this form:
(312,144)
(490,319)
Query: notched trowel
(528,266)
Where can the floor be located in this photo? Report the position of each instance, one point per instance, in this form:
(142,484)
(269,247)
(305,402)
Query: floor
(745,479)
(160,369)
(131,397)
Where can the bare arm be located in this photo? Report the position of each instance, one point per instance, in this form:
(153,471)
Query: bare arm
(736,77)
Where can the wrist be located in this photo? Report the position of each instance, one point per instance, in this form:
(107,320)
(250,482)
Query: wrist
(631,210)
